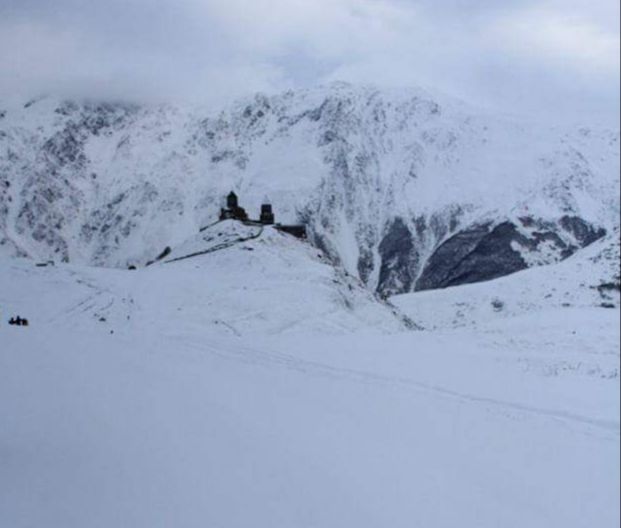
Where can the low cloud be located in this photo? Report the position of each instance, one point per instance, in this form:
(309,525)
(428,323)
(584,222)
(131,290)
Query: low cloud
(546,58)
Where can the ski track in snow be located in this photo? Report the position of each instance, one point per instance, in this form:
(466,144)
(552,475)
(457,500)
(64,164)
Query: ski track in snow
(255,356)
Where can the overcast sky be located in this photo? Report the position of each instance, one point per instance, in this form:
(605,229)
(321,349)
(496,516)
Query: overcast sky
(558,58)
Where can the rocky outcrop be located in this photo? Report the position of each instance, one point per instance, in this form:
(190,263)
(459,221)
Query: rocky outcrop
(399,257)
(488,251)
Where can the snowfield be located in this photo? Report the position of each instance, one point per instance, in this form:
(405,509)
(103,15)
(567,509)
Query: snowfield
(256,385)
(442,352)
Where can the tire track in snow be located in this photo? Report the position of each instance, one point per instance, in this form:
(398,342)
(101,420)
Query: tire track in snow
(262,358)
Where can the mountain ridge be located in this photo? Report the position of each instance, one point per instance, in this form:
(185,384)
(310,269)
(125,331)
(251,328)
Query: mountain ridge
(383,179)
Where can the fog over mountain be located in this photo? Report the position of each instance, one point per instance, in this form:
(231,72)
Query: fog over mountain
(553,58)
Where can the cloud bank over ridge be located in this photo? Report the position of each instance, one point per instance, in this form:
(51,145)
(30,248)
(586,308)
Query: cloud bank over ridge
(553,58)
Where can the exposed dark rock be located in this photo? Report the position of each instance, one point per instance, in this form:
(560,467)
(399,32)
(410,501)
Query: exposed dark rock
(609,286)
(66,147)
(365,264)
(487,251)
(397,252)
(452,259)
(584,232)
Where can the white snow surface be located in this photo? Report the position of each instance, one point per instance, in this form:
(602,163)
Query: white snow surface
(110,184)
(234,285)
(250,379)
(257,385)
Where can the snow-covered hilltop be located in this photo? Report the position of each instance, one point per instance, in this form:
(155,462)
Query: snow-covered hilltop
(403,189)
(231,280)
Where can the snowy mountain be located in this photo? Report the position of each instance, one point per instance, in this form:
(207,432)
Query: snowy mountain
(589,278)
(241,380)
(405,190)
(178,370)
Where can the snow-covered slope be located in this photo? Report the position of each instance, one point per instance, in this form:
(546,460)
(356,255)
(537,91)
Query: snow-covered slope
(404,189)
(242,379)
(230,279)
(589,278)
(153,418)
